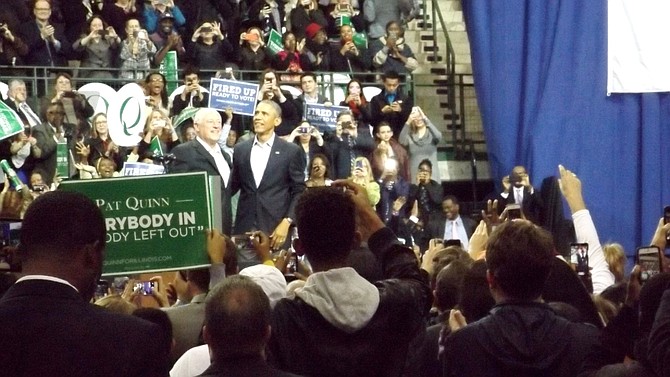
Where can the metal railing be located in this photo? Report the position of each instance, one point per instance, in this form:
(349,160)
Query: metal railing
(40,80)
(449,63)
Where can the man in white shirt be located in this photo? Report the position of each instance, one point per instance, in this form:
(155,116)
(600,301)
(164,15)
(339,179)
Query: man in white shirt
(205,154)
(452,226)
(269,172)
(517,189)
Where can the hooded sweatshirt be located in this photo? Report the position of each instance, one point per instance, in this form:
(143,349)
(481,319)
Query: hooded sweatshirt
(521,339)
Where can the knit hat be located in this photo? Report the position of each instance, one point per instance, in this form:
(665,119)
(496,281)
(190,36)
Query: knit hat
(312,29)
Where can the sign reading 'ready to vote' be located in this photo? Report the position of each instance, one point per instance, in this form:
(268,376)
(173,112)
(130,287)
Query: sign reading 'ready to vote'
(323,117)
(237,95)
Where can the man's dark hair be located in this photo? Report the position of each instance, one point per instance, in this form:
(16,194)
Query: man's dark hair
(519,255)
(391,74)
(60,221)
(191,69)
(426,162)
(448,285)
(237,317)
(453,199)
(199,277)
(307,74)
(326,219)
(476,299)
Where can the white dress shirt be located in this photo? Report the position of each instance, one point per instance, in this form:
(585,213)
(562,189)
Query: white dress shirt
(221,164)
(455,230)
(260,154)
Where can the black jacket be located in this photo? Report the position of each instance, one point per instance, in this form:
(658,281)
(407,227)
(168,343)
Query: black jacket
(521,339)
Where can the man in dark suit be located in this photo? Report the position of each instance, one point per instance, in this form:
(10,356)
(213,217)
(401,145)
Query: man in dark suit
(237,329)
(426,195)
(391,105)
(205,154)
(518,190)
(451,225)
(47,43)
(356,142)
(48,135)
(50,328)
(270,174)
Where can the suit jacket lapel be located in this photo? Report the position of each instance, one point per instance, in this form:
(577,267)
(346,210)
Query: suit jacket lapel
(273,160)
(203,152)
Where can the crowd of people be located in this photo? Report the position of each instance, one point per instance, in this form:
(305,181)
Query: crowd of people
(360,304)
(360,264)
(136,36)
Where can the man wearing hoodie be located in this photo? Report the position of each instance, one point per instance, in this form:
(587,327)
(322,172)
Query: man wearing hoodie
(521,336)
(339,324)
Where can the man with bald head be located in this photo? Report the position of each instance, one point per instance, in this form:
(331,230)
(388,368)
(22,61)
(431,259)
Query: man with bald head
(205,154)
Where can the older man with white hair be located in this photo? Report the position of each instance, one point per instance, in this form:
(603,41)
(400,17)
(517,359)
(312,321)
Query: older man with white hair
(205,154)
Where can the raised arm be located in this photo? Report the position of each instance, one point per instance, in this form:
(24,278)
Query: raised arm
(585,230)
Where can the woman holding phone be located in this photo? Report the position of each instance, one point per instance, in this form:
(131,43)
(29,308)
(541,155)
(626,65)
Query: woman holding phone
(252,54)
(356,101)
(420,137)
(310,141)
(99,47)
(362,175)
(158,125)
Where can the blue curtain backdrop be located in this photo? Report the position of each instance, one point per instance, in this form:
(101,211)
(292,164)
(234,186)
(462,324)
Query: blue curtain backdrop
(540,70)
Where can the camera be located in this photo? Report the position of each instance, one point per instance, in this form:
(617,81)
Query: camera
(146,288)
(102,33)
(650,260)
(40,188)
(206,29)
(243,242)
(304,129)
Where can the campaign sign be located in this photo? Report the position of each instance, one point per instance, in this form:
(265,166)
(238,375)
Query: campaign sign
(10,123)
(140,168)
(237,95)
(154,223)
(323,117)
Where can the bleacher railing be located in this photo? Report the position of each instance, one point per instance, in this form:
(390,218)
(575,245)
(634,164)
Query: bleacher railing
(332,84)
(450,65)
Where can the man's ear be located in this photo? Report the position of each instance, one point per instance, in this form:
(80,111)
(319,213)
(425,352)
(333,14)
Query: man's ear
(277,121)
(490,279)
(206,336)
(94,255)
(356,242)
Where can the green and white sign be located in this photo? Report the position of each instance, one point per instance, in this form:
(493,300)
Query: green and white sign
(10,123)
(169,69)
(155,223)
(275,43)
